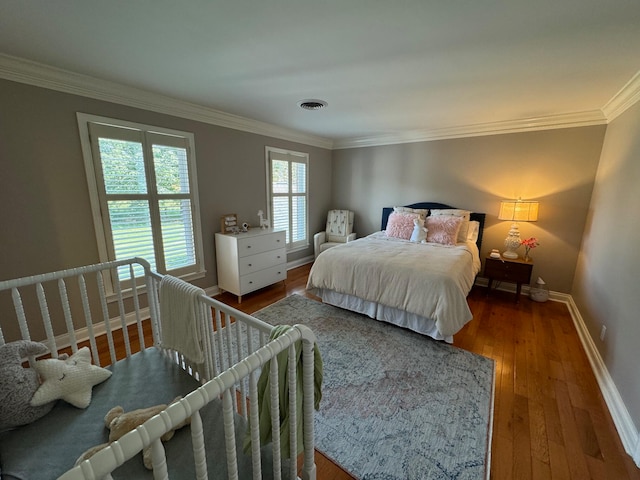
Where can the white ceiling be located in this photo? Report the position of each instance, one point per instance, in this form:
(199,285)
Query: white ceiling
(386,68)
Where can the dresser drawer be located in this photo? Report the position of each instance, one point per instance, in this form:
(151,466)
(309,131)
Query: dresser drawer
(254,281)
(260,243)
(508,271)
(255,263)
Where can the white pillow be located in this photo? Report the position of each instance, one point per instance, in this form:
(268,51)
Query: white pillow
(474,230)
(466,216)
(423,212)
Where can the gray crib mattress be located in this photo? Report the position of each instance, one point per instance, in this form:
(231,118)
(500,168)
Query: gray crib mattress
(48,447)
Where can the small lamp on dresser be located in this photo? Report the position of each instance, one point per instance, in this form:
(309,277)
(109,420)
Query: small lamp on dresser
(516,211)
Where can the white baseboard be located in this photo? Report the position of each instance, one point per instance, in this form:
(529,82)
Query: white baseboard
(212,291)
(300,262)
(82,334)
(627,430)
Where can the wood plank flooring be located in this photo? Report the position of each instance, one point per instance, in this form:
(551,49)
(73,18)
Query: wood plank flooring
(550,419)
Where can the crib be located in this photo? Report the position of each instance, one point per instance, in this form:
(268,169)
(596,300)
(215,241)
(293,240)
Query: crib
(117,302)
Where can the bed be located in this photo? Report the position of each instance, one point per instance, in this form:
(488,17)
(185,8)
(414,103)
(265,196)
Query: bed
(219,394)
(422,284)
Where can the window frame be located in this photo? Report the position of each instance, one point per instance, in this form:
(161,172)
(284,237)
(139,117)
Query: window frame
(98,198)
(290,156)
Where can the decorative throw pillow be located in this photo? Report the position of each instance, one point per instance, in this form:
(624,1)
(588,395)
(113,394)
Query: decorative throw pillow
(18,384)
(464,214)
(443,229)
(70,380)
(400,225)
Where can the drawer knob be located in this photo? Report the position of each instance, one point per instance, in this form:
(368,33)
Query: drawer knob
(248,246)
(278,240)
(250,265)
(278,256)
(250,281)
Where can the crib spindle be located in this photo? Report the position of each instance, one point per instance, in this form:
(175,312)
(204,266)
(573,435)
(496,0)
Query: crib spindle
(105,316)
(66,308)
(199,450)
(293,430)
(136,307)
(242,384)
(275,417)
(88,319)
(46,320)
(227,335)
(229,434)
(308,374)
(255,426)
(22,320)
(123,319)
(221,366)
(159,460)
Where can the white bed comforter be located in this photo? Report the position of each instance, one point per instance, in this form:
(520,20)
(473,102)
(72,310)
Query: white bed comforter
(427,279)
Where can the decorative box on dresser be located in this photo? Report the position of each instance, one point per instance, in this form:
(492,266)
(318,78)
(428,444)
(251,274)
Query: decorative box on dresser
(250,260)
(515,270)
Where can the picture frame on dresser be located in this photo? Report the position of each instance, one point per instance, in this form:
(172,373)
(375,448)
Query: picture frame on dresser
(229,223)
(251,260)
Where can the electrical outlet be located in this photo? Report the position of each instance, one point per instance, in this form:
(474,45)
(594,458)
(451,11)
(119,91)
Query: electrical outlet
(603,332)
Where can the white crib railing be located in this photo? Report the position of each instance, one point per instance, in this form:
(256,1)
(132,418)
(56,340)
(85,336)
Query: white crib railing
(85,309)
(236,345)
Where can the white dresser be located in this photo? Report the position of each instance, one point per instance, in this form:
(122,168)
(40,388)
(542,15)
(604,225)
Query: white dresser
(250,260)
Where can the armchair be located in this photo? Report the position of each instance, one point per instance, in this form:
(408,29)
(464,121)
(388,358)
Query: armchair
(339,230)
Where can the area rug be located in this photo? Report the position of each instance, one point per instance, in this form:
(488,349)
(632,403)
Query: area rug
(396,404)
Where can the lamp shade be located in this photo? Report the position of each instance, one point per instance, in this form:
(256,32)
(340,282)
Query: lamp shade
(518,210)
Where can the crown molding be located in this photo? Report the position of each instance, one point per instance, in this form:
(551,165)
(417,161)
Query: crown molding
(566,120)
(624,99)
(40,75)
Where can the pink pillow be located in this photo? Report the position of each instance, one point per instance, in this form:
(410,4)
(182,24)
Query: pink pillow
(443,229)
(400,225)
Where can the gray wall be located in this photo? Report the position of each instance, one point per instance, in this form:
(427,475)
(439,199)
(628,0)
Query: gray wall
(556,167)
(606,281)
(46,216)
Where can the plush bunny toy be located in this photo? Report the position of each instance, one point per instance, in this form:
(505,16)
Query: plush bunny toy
(419,231)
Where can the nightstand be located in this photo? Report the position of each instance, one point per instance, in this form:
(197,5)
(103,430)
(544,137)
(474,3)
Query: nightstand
(515,270)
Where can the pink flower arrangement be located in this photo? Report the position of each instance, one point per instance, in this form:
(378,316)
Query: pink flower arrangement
(529,243)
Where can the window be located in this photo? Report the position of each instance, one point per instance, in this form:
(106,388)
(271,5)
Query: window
(143,194)
(288,194)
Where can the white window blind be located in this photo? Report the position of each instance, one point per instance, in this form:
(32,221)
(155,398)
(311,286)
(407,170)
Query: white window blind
(143,182)
(287,186)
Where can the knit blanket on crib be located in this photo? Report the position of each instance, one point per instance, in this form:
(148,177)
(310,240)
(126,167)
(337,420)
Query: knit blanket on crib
(264,398)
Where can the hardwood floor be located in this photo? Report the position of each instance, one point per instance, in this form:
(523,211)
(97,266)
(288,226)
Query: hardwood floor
(550,419)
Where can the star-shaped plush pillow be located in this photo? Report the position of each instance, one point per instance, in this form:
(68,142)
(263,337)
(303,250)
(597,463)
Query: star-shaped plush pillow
(70,380)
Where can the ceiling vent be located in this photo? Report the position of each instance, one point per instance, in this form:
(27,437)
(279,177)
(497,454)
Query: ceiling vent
(312,104)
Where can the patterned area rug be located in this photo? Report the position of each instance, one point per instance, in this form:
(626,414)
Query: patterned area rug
(396,404)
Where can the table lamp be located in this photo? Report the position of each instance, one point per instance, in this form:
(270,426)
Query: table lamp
(516,211)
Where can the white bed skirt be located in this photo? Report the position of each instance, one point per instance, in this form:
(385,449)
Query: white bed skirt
(401,318)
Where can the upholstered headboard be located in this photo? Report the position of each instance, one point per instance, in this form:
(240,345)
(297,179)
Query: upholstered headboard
(479,217)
